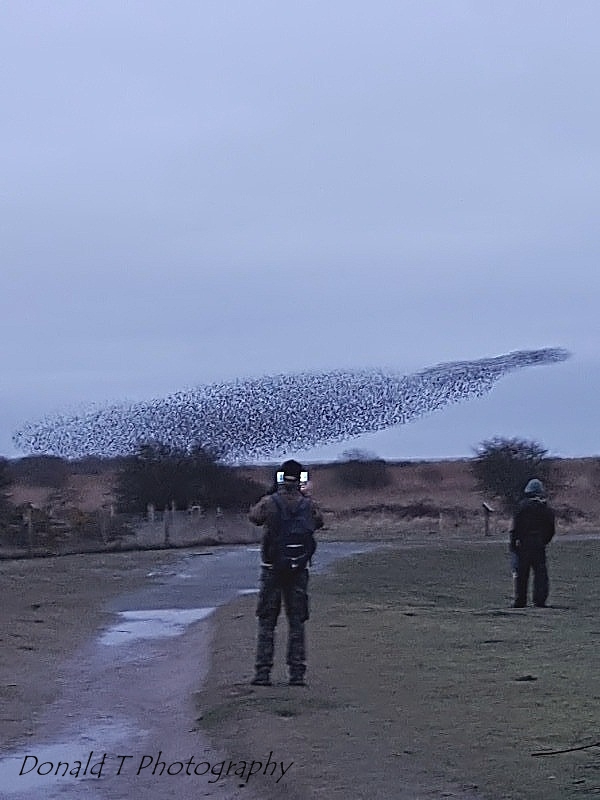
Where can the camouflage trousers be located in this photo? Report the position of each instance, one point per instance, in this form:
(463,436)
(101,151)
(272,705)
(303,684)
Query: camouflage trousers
(292,589)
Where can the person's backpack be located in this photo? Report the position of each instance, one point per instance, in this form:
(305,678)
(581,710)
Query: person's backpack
(294,535)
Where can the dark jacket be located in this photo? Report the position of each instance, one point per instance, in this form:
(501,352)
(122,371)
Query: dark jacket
(533,525)
(266,513)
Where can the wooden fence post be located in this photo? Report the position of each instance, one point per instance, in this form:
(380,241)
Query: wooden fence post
(29,521)
(167,527)
(487,510)
(103,526)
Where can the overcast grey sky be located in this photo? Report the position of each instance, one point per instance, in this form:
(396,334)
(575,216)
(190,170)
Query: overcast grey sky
(196,191)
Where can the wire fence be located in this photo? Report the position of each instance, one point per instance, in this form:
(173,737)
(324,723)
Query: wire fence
(106,530)
(37,533)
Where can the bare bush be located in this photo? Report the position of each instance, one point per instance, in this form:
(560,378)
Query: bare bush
(502,468)
(362,470)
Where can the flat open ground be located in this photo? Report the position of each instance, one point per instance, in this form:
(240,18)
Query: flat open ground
(423,683)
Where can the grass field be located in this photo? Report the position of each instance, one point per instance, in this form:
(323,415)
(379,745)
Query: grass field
(423,682)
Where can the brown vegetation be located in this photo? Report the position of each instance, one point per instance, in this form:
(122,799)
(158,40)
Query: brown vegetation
(438,497)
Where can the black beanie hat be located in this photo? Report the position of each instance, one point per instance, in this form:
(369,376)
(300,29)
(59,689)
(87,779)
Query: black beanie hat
(291,470)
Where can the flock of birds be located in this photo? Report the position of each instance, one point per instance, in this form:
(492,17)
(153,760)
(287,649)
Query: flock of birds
(264,417)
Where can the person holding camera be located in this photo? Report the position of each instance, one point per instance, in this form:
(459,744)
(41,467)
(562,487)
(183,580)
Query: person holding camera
(290,518)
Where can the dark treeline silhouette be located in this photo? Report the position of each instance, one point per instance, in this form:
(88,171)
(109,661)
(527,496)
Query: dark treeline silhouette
(162,475)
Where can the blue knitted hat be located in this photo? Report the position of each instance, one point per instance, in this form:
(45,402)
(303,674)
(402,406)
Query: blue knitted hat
(535,488)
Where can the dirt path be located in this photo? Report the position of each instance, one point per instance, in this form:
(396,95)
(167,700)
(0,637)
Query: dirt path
(128,709)
(118,713)
(86,689)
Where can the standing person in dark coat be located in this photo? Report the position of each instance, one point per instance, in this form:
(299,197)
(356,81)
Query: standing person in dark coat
(283,577)
(532,530)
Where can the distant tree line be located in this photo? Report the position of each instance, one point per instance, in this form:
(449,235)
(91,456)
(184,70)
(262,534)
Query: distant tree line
(161,475)
(156,473)
(5,482)
(51,472)
(9,514)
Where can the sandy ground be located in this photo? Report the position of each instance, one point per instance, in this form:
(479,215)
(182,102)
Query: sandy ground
(422,682)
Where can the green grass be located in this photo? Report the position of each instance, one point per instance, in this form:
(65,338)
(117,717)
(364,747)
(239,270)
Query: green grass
(422,675)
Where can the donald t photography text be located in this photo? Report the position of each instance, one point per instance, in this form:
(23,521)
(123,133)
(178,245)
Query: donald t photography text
(157,765)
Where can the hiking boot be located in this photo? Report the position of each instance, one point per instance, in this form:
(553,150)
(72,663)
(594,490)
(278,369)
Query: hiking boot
(261,678)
